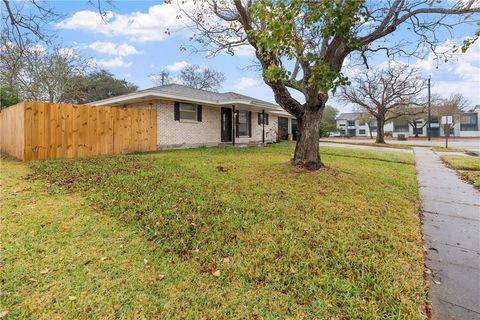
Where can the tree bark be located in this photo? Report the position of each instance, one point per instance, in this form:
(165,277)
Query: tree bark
(307,150)
(380,131)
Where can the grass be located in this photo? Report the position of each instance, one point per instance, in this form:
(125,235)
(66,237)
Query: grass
(237,232)
(468,167)
(449,149)
(386,145)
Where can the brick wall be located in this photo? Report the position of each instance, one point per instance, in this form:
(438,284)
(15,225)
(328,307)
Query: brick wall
(180,134)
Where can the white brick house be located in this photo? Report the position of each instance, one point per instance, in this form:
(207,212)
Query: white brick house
(188,117)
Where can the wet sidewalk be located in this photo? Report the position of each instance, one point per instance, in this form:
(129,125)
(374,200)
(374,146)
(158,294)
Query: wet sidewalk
(451,229)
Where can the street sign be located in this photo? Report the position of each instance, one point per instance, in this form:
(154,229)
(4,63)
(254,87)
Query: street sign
(447,122)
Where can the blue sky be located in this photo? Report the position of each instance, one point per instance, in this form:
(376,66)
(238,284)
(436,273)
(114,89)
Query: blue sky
(134,51)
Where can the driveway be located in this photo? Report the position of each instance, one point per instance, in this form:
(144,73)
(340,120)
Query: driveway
(451,230)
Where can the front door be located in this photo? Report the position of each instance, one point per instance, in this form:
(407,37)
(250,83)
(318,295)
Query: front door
(226,126)
(282,128)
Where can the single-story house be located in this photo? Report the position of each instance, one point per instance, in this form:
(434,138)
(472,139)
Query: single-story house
(188,117)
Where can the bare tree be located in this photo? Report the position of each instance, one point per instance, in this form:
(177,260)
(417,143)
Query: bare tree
(302,45)
(24,22)
(201,78)
(454,106)
(40,74)
(386,94)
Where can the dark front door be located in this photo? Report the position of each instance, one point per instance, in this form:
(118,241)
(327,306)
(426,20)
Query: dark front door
(282,128)
(226,119)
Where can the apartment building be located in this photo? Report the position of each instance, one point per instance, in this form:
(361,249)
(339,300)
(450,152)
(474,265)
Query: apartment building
(358,124)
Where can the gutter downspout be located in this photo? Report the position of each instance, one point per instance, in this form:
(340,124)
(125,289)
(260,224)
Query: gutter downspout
(263,126)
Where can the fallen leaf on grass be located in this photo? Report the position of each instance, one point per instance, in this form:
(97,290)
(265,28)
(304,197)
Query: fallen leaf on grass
(216,273)
(145,261)
(3,313)
(45,271)
(72,298)
(161,277)
(117,307)
(225,260)
(293,270)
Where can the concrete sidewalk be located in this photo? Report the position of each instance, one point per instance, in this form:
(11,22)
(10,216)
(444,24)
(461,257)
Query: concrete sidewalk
(451,229)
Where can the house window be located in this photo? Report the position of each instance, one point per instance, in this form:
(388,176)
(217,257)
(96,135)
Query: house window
(341,125)
(361,123)
(351,123)
(361,131)
(243,123)
(400,126)
(260,119)
(417,130)
(468,122)
(188,111)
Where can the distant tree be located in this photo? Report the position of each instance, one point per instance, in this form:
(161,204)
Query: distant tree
(8,96)
(97,85)
(201,78)
(453,106)
(386,94)
(328,122)
(413,119)
(40,74)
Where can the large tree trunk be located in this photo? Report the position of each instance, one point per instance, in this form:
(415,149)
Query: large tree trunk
(307,151)
(380,131)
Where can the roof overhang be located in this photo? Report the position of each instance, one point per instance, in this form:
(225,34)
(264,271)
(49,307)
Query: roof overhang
(146,95)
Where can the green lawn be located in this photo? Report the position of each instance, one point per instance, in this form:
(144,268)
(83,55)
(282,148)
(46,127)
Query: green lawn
(227,233)
(468,167)
(372,144)
(449,149)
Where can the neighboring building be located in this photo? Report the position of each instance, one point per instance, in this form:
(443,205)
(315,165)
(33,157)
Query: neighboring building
(355,125)
(188,117)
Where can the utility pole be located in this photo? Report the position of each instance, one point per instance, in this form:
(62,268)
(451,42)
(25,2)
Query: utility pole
(429,131)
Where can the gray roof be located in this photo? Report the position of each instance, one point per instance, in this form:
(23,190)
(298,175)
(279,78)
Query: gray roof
(189,94)
(351,116)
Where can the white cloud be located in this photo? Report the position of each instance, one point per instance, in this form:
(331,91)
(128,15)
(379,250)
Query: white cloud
(113,49)
(127,75)
(116,62)
(460,74)
(244,51)
(177,66)
(154,25)
(245,83)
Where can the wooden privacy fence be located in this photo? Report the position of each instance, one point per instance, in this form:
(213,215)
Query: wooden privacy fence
(38,130)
